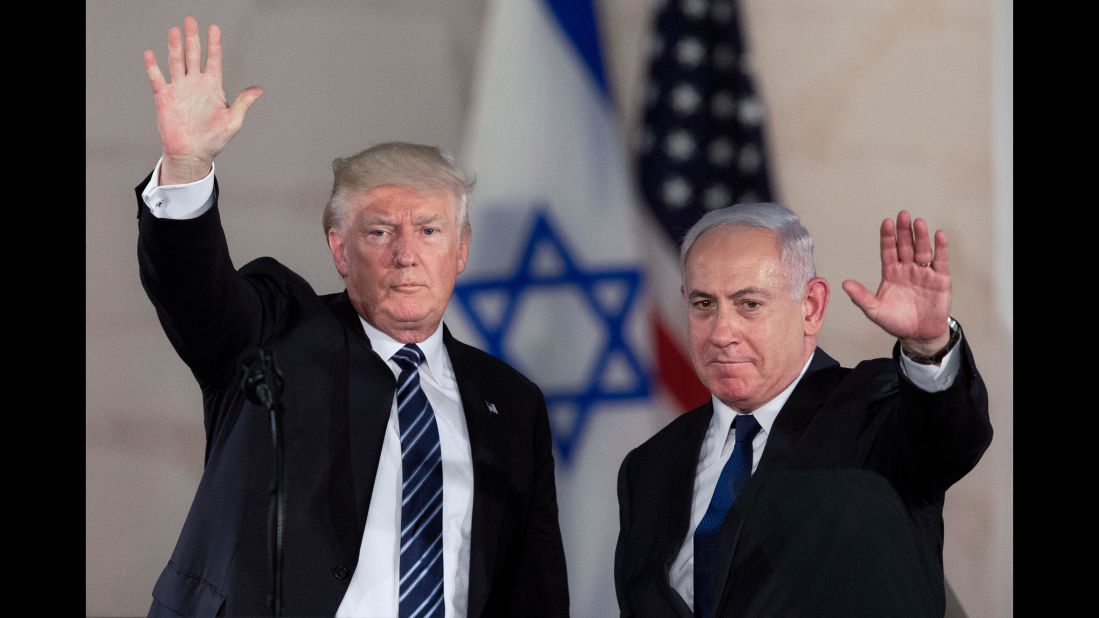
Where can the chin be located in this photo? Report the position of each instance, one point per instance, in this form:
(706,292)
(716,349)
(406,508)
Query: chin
(413,318)
(410,321)
(735,394)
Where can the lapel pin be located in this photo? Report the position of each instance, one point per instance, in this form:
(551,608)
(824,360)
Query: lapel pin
(492,407)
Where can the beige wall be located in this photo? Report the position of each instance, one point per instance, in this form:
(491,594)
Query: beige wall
(876,105)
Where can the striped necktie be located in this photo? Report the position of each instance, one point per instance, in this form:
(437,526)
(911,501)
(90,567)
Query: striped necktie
(421,584)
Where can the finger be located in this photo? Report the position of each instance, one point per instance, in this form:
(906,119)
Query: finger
(240,105)
(942,255)
(888,243)
(861,296)
(152,71)
(923,243)
(175,53)
(192,45)
(213,52)
(904,236)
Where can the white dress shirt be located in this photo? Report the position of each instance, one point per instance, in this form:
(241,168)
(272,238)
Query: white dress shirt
(718,444)
(373,590)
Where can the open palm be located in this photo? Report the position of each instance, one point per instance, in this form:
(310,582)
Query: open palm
(913,299)
(193,116)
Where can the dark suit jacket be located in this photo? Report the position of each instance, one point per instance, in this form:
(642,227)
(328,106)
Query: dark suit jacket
(337,400)
(867,418)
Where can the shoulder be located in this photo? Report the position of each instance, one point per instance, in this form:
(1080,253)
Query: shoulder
(517,400)
(269,267)
(827,380)
(484,368)
(871,379)
(674,440)
(278,285)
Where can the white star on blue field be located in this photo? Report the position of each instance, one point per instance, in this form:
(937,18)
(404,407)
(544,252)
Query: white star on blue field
(613,354)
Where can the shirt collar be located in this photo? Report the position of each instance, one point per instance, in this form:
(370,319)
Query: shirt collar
(386,346)
(765,414)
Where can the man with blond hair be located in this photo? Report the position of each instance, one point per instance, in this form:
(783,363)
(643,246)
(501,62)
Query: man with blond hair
(419,472)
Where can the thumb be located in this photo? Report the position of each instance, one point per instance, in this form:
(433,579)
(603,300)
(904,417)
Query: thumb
(244,100)
(860,295)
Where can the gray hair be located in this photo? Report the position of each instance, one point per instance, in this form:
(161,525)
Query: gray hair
(425,168)
(795,243)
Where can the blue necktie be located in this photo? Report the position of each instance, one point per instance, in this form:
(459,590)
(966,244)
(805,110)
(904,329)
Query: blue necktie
(734,476)
(421,584)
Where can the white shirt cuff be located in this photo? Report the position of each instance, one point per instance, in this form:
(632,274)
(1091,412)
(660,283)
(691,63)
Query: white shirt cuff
(933,378)
(187,201)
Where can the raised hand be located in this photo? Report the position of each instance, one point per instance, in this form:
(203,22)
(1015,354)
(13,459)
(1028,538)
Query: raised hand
(913,299)
(193,116)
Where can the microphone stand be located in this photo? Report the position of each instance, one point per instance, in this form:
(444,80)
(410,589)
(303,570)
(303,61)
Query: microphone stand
(263,385)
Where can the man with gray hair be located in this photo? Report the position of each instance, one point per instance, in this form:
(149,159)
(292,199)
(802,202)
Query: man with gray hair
(697,538)
(419,476)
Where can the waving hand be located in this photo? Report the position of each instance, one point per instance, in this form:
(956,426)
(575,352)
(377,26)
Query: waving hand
(913,299)
(193,116)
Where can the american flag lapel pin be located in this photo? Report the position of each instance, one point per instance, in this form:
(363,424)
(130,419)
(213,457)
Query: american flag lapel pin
(491,407)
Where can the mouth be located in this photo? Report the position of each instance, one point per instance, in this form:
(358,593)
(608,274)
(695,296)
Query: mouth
(407,287)
(730,363)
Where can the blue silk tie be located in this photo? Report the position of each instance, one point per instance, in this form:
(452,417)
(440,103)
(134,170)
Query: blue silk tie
(421,583)
(734,476)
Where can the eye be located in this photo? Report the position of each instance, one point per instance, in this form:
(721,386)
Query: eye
(751,305)
(376,233)
(703,303)
(430,231)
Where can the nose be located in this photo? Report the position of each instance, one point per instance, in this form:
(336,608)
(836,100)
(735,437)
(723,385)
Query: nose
(404,253)
(726,328)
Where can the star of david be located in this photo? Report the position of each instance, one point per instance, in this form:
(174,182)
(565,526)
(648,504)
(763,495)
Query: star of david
(569,406)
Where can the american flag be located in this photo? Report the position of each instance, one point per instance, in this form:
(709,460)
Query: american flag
(699,147)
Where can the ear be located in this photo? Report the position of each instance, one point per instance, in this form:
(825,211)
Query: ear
(815,304)
(463,250)
(335,244)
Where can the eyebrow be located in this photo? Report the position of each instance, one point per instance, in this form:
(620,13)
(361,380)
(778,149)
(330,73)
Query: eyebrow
(421,220)
(376,221)
(735,295)
(424,220)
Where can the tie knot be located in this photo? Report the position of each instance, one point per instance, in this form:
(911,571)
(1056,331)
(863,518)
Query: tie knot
(746,427)
(409,356)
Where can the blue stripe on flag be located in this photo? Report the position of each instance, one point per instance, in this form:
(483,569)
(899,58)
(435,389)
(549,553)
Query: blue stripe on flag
(577,19)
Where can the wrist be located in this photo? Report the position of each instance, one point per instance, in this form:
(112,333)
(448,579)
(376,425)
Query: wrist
(183,170)
(930,352)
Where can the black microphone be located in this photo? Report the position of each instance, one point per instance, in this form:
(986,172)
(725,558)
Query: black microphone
(259,376)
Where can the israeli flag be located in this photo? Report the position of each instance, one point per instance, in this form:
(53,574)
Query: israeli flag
(554,284)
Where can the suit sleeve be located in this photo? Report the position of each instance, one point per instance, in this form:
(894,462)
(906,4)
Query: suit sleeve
(935,439)
(542,584)
(210,312)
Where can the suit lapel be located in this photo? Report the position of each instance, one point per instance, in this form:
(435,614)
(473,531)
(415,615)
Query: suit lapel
(790,424)
(682,462)
(357,430)
(491,469)
(681,478)
(798,412)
